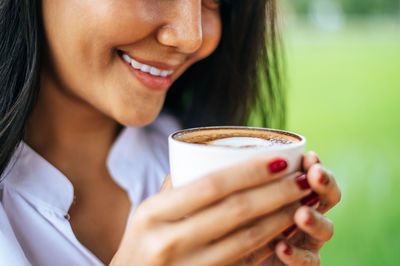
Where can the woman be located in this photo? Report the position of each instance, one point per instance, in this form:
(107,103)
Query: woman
(83,143)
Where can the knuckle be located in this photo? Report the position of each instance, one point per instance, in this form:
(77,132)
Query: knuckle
(257,170)
(252,237)
(239,206)
(144,216)
(252,172)
(159,248)
(210,188)
(170,245)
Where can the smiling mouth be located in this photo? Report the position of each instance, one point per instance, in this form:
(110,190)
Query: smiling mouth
(151,76)
(151,70)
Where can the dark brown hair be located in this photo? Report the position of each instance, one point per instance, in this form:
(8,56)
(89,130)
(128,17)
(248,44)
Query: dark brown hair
(239,81)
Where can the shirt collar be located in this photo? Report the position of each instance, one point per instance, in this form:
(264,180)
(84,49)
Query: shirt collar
(37,180)
(139,154)
(40,182)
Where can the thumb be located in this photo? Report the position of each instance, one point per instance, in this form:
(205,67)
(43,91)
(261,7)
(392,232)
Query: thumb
(167,185)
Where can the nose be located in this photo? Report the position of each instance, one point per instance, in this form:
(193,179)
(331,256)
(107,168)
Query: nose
(183,29)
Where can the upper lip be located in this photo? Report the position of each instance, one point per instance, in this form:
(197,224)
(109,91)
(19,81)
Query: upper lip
(156,64)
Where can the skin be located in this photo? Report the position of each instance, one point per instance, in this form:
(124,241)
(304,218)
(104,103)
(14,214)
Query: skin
(87,93)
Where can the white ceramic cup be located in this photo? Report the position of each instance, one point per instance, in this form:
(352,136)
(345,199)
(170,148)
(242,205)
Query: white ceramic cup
(189,161)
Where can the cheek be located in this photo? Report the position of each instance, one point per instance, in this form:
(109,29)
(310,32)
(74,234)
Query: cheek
(118,23)
(81,37)
(82,34)
(73,41)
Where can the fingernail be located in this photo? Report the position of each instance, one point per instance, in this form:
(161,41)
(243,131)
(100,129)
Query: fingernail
(277,166)
(287,250)
(302,181)
(310,200)
(324,179)
(316,156)
(310,220)
(289,230)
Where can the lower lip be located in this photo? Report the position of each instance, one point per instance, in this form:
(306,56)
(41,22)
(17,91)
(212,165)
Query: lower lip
(150,81)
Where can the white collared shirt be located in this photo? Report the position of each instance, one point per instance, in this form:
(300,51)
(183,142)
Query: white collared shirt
(35,197)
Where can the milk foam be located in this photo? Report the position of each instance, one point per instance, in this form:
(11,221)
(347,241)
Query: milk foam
(238,142)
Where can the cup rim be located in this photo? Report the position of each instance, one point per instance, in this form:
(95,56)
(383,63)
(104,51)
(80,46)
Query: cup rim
(301,142)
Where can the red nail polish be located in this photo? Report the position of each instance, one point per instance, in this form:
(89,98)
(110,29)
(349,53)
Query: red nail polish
(287,250)
(324,179)
(316,156)
(302,181)
(289,230)
(310,221)
(277,165)
(310,200)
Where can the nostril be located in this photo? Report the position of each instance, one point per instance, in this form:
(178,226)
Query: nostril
(183,39)
(190,46)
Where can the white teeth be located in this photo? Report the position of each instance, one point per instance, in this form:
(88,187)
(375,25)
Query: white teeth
(126,58)
(154,71)
(146,68)
(164,73)
(136,64)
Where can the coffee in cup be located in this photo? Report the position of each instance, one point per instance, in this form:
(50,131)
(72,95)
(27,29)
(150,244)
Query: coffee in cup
(237,137)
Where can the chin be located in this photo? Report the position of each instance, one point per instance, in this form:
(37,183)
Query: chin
(137,118)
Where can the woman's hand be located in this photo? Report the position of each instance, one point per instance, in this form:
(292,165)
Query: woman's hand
(215,220)
(313,229)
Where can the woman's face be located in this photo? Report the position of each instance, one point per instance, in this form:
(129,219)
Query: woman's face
(91,42)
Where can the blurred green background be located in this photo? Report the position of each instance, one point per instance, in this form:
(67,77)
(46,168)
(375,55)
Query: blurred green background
(344,96)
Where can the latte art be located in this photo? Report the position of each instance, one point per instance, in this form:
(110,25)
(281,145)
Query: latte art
(248,142)
(237,137)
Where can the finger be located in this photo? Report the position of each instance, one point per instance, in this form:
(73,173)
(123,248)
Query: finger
(309,160)
(311,200)
(182,201)
(318,227)
(167,184)
(293,256)
(255,257)
(324,184)
(240,208)
(242,242)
